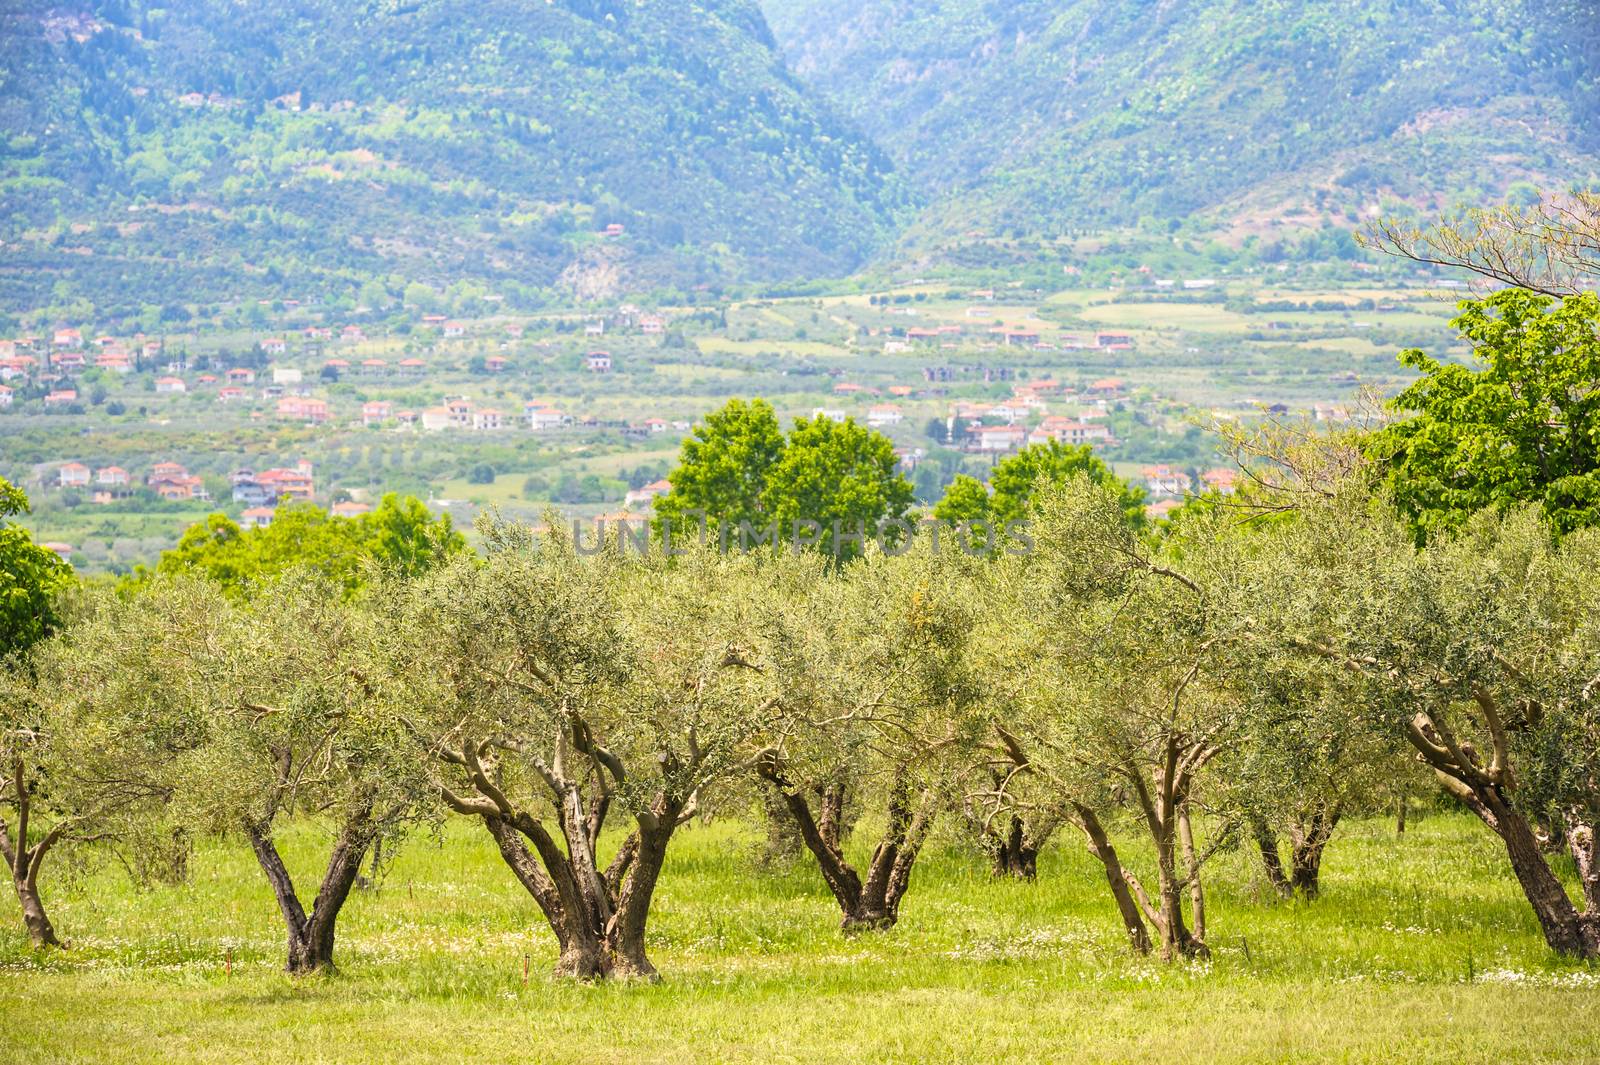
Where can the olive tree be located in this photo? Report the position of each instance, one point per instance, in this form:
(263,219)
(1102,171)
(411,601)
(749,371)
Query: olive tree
(1124,656)
(1307,757)
(550,689)
(288,687)
(87,743)
(1481,651)
(879,696)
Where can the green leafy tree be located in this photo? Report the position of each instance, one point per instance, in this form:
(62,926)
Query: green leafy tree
(723,470)
(738,469)
(840,475)
(287,692)
(879,701)
(1521,427)
(401,535)
(31,577)
(1017,478)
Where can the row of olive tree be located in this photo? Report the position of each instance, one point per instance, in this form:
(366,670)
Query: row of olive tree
(1106,680)
(1257,667)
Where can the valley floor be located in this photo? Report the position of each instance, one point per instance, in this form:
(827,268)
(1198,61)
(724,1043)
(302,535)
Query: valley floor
(1420,951)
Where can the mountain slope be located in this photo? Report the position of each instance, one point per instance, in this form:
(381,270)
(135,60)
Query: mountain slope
(1047,114)
(282,148)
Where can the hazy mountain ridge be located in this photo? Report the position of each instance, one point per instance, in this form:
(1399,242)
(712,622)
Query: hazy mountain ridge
(315,141)
(1046,114)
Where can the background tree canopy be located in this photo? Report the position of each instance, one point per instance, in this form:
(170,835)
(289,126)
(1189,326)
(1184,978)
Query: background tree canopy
(1521,427)
(31,577)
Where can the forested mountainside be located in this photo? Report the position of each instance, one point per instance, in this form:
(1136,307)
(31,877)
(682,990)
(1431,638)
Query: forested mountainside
(1043,114)
(213,146)
(219,149)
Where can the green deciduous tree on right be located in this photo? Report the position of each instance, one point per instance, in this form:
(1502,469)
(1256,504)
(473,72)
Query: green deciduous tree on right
(1521,427)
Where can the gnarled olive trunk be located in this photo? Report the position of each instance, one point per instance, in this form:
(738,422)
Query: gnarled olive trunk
(874,903)
(1309,833)
(311,936)
(41,933)
(1117,878)
(598,916)
(24,862)
(1486,790)
(1016,855)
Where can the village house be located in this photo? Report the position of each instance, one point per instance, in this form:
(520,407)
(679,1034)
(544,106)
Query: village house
(72,475)
(287,375)
(832,414)
(883,415)
(5,395)
(1162,509)
(652,325)
(487,420)
(454,329)
(1221,481)
(495,364)
(542,418)
(1113,341)
(61,397)
(338,366)
(303,409)
(296,483)
(69,362)
(112,477)
(434,321)
(413,367)
(1107,387)
(646,496)
(598,361)
(375,413)
(274,346)
(257,517)
(349,508)
(249,491)
(460,413)
(67,338)
(171,386)
(230,394)
(1068,431)
(656,425)
(352,333)
(1000,437)
(1165,481)
(165,471)
(374,366)
(1008,411)
(435,419)
(170,480)
(241,375)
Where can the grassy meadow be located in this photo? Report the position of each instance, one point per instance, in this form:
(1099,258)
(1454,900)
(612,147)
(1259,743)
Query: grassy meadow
(1420,950)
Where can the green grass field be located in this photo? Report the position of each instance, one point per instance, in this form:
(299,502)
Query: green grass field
(1421,950)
